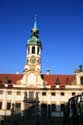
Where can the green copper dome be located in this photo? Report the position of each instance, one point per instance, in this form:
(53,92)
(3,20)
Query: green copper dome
(34,39)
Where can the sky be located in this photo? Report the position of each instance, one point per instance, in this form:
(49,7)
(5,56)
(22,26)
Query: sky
(60,24)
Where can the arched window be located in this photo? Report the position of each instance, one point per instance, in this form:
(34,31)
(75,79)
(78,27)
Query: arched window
(38,50)
(33,49)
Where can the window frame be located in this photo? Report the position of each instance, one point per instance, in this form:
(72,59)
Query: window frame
(53,93)
(8,105)
(33,49)
(43,93)
(81,80)
(0,105)
(62,93)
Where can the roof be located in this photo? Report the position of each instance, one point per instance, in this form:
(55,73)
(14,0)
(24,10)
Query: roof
(63,79)
(34,41)
(12,78)
(50,79)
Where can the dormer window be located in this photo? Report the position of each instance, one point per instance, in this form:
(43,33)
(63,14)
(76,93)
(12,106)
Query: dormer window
(57,81)
(68,82)
(81,80)
(33,50)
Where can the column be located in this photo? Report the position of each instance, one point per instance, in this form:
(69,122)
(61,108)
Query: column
(36,49)
(30,49)
(4,105)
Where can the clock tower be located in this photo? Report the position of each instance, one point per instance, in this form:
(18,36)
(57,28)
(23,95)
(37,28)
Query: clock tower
(32,69)
(33,48)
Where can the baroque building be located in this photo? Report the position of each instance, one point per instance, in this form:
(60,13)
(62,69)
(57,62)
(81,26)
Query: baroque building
(51,91)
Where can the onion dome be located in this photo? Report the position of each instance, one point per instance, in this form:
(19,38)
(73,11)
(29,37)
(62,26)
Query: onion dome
(34,39)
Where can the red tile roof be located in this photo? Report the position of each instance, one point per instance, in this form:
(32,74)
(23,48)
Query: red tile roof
(12,77)
(50,79)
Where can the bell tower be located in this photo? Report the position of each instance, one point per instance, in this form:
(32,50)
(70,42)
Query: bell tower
(33,51)
(32,69)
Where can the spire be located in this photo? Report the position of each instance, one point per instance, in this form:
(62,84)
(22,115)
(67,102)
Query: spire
(35,29)
(35,23)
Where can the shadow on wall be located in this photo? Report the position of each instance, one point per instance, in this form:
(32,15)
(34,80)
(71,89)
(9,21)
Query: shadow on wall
(32,116)
(49,115)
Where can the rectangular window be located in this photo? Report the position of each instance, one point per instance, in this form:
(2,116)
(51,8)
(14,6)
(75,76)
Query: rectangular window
(0,105)
(43,93)
(62,93)
(9,92)
(49,108)
(62,107)
(1,92)
(31,95)
(44,108)
(53,107)
(53,93)
(73,93)
(8,106)
(18,107)
(18,92)
(81,80)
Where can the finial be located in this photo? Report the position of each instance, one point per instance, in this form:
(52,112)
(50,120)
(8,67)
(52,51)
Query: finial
(48,71)
(80,66)
(35,24)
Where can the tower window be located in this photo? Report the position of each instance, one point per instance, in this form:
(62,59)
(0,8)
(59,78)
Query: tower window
(38,50)
(27,61)
(33,49)
(81,80)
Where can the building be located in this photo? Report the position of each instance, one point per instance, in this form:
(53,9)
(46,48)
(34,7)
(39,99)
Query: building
(52,91)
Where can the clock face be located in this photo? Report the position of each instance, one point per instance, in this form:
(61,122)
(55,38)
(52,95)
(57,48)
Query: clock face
(33,60)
